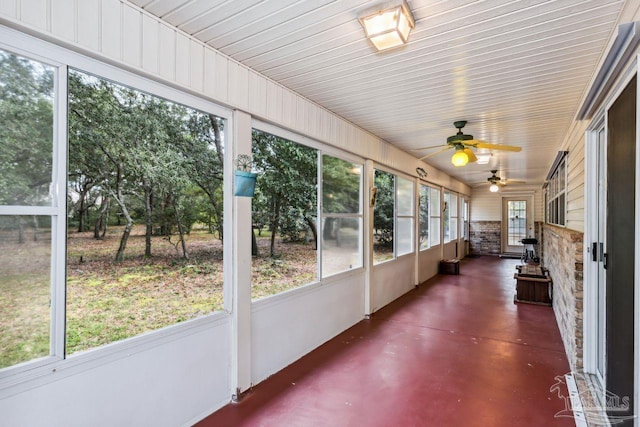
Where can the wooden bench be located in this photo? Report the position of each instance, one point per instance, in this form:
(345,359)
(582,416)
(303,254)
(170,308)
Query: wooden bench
(533,285)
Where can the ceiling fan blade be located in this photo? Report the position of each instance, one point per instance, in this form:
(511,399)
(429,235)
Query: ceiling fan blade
(435,153)
(498,147)
(431,147)
(471,155)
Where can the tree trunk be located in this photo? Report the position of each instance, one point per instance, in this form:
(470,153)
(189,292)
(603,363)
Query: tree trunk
(254,244)
(127,227)
(148,221)
(217,139)
(274,226)
(81,210)
(20,230)
(36,228)
(314,231)
(100,227)
(185,255)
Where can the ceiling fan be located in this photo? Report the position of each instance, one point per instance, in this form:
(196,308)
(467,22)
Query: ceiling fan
(495,181)
(463,144)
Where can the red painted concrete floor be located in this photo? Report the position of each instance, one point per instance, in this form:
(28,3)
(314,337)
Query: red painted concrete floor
(456,351)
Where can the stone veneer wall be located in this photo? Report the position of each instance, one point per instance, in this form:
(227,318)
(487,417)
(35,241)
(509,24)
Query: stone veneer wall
(484,237)
(563,256)
(537,233)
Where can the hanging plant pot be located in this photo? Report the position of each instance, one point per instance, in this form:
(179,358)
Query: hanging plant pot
(245,183)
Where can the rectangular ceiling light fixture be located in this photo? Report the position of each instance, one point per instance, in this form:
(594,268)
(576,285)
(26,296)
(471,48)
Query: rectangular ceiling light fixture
(389,25)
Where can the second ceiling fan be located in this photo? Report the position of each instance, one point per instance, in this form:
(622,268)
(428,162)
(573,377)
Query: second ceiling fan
(463,144)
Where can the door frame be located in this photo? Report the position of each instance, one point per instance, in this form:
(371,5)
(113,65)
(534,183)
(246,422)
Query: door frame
(591,270)
(506,196)
(590,312)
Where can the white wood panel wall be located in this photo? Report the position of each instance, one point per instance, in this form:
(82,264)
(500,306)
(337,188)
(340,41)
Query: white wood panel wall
(121,33)
(487,206)
(575,145)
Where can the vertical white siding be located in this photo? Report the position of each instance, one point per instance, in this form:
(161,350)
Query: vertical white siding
(131,37)
(89,24)
(222,73)
(150,43)
(111,29)
(34,13)
(62,19)
(167,61)
(196,70)
(9,8)
(182,59)
(487,206)
(575,145)
(258,91)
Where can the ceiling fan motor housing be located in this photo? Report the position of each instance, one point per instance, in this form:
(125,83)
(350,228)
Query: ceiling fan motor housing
(459,136)
(493,178)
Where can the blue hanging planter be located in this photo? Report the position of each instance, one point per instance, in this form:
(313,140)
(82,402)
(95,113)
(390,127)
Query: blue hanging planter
(245,183)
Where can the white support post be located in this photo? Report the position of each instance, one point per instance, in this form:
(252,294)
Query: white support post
(367,231)
(416,231)
(241,268)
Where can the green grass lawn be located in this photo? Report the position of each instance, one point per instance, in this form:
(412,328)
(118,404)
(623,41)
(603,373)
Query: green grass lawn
(108,302)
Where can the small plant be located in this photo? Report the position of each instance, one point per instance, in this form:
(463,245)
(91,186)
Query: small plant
(244,163)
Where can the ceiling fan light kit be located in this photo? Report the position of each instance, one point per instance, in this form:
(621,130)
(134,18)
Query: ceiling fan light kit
(494,188)
(463,144)
(459,158)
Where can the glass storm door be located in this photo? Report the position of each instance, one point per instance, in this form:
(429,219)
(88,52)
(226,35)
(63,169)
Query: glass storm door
(516,226)
(597,255)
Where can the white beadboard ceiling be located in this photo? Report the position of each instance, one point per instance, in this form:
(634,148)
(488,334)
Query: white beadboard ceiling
(514,69)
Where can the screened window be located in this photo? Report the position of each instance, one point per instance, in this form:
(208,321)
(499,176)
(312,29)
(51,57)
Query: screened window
(446,217)
(341,215)
(555,196)
(405,214)
(144,212)
(424,217)
(284,216)
(434,215)
(465,219)
(28,208)
(453,217)
(393,216)
(383,217)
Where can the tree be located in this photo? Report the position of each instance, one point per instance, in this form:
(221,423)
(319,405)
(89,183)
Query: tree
(286,187)
(383,212)
(26,131)
(145,154)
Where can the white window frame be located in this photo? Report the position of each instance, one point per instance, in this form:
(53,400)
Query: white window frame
(322,215)
(556,195)
(322,149)
(411,216)
(38,369)
(436,194)
(428,216)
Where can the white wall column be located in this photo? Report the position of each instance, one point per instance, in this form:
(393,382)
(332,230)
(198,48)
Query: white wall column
(367,227)
(241,294)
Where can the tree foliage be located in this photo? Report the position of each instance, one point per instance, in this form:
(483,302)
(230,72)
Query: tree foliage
(26,131)
(286,192)
(160,162)
(384,209)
